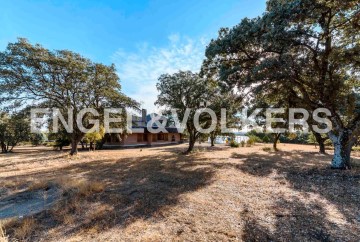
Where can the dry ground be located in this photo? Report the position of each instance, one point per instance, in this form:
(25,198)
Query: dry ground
(159,194)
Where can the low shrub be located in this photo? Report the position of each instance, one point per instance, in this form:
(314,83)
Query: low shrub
(60,143)
(328,142)
(266,139)
(234,144)
(255,139)
(21,229)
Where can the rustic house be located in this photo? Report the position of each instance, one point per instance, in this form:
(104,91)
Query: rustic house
(145,138)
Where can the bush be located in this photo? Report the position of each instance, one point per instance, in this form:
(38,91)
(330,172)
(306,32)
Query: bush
(37,139)
(255,139)
(242,143)
(328,142)
(234,144)
(60,143)
(266,139)
(252,140)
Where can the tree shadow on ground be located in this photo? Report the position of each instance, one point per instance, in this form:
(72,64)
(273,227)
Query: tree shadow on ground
(339,188)
(136,188)
(203,147)
(295,221)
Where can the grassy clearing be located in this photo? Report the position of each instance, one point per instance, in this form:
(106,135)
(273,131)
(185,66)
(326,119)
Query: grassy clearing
(217,193)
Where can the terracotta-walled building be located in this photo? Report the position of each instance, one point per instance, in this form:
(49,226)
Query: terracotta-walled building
(145,138)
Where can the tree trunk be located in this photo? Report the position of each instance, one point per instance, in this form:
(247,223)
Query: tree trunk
(321,141)
(74,147)
(92,146)
(342,150)
(192,141)
(322,147)
(3,147)
(82,145)
(276,139)
(212,139)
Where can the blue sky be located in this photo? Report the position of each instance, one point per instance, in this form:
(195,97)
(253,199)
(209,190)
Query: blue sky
(143,38)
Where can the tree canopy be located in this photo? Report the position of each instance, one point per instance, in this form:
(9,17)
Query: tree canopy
(14,128)
(307,48)
(60,79)
(184,91)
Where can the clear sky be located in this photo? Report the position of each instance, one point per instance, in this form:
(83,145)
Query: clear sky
(144,38)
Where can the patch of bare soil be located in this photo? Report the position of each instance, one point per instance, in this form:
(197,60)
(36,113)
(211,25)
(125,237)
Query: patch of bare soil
(159,194)
(27,203)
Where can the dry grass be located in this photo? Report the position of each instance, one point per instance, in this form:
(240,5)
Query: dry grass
(3,236)
(40,184)
(214,194)
(25,228)
(21,229)
(81,187)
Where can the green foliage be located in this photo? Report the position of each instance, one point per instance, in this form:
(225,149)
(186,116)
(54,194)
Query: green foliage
(295,138)
(60,139)
(61,79)
(184,90)
(292,136)
(266,139)
(259,137)
(250,142)
(311,139)
(61,142)
(94,137)
(242,143)
(37,139)
(297,54)
(328,142)
(234,144)
(254,139)
(14,128)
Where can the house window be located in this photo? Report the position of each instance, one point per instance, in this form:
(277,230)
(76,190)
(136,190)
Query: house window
(145,137)
(173,138)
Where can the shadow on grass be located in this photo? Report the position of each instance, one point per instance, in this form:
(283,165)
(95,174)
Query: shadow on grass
(339,188)
(136,188)
(143,188)
(295,221)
